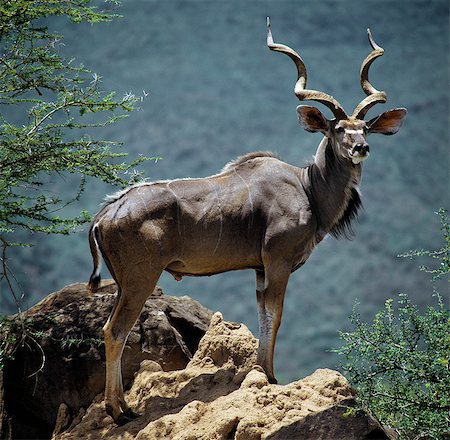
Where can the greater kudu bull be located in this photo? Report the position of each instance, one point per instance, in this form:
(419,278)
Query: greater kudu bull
(258,213)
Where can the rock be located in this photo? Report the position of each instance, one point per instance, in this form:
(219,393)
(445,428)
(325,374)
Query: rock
(338,423)
(221,394)
(59,367)
(63,419)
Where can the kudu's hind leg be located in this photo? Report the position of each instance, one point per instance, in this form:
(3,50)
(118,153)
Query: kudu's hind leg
(270,290)
(127,308)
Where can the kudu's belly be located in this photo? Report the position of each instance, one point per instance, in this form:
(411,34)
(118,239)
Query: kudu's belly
(205,264)
(178,271)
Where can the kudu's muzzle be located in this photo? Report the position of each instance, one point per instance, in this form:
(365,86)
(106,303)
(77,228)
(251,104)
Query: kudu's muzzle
(359,152)
(363,149)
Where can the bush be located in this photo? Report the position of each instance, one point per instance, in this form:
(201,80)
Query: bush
(399,364)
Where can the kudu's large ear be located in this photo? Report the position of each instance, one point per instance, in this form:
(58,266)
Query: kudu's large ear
(312,119)
(388,122)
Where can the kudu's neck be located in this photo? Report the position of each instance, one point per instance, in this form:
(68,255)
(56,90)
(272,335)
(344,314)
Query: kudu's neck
(334,190)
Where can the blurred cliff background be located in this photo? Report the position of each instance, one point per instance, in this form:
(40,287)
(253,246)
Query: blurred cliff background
(213,91)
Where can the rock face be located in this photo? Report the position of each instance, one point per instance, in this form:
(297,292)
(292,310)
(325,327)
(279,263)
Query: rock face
(222,395)
(53,388)
(59,367)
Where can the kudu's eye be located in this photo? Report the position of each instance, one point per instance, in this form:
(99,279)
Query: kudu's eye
(339,129)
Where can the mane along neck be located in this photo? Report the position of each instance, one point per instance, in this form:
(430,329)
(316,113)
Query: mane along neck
(246,157)
(334,191)
(343,228)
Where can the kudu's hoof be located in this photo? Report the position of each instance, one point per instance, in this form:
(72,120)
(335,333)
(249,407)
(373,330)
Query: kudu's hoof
(127,417)
(272,380)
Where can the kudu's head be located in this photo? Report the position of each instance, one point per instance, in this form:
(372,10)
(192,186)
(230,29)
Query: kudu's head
(346,133)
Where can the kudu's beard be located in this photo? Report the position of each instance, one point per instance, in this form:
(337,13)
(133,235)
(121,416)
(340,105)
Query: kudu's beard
(357,158)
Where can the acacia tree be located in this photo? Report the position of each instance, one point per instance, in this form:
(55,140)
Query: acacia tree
(51,114)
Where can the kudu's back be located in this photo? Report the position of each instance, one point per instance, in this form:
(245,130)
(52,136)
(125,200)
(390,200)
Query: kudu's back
(208,225)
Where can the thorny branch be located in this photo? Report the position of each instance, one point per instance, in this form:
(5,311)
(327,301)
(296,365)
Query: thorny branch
(8,276)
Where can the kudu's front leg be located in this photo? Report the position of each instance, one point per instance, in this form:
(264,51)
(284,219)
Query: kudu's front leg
(270,289)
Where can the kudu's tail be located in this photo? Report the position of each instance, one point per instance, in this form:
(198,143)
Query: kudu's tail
(95,278)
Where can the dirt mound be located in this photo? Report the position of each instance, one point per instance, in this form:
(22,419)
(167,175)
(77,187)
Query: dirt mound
(222,395)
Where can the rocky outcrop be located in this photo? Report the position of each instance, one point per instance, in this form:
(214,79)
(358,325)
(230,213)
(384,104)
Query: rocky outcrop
(221,394)
(187,384)
(58,366)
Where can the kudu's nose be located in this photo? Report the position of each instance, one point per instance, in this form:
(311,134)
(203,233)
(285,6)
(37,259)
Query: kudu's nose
(362,148)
